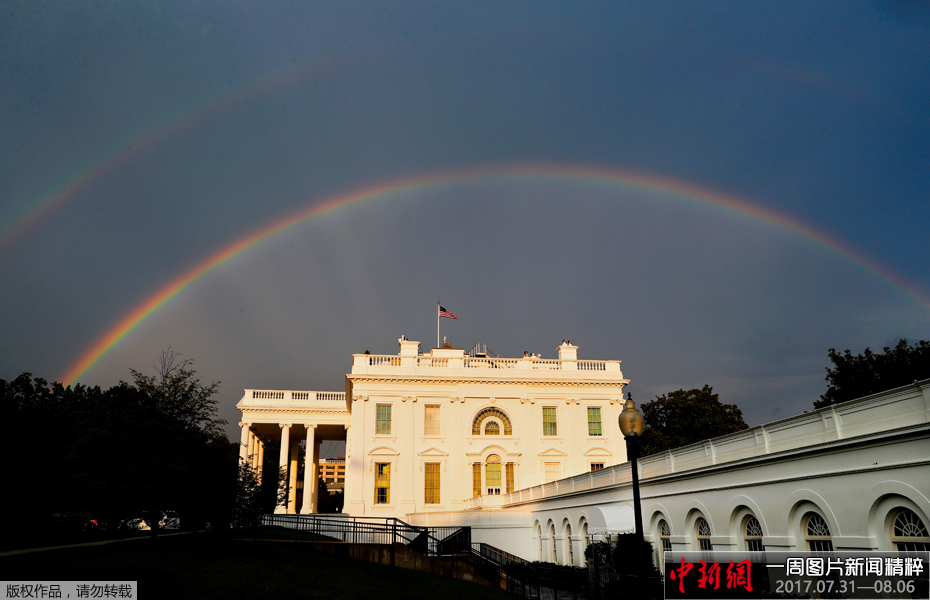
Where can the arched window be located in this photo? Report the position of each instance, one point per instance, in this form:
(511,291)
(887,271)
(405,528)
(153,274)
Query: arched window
(703,534)
(491,411)
(492,428)
(568,540)
(555,545)
(752,533)
(665,535)
(492,475)
(584,533)
(909,532)
(665,544)
(817,534)
(539,533)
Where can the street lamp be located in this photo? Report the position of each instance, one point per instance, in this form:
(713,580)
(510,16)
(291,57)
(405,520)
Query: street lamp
(631,426)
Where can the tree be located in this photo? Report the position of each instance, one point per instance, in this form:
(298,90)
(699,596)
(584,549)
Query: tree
(869,373)
(247,507)
(129,451)
(687,416)
(179,395)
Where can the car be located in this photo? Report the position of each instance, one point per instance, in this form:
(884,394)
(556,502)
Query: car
(170,520)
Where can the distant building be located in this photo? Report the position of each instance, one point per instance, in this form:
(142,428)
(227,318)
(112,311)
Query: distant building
(527,452)
(333,472)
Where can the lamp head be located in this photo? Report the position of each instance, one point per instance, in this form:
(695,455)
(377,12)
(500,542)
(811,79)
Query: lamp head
(631,420)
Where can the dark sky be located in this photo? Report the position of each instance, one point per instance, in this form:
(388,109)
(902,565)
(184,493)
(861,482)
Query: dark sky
(137,139)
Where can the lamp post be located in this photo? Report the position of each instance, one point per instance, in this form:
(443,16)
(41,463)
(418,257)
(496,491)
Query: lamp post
(631,426)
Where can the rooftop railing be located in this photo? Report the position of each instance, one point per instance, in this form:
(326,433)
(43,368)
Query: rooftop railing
(295,395)
(484,363)
(883,412)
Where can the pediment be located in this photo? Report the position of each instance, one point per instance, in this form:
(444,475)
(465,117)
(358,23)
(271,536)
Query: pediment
(383,451)
(432,452)
(552,452)
(598,452)
(493,449)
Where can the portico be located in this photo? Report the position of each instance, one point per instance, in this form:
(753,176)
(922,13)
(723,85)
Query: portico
(297,418)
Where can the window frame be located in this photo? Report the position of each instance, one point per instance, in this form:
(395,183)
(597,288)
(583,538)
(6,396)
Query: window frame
(477,422)
(599,422)
(554,423)
(558,471)
(752,541)
(432,423)
(900,539)
(436,489)
(379,470)
(703,535)
(817,542)
(380,421)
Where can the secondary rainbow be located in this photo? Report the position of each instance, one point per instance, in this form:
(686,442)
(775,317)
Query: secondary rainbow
(667,189)
(43,206)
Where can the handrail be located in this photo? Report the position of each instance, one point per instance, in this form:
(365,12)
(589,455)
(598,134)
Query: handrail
(298,395)
(431,541)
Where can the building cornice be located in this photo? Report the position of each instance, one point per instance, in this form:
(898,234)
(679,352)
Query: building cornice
(896,436)
(484,380)
(293,411)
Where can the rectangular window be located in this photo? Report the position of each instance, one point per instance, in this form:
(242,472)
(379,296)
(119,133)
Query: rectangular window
(431,420)
(492,475)
(383,420)
(594,420)
(552,471)
(509,477)
(382,483)
(432,483)
(475,480)
(597,466)
(549,424)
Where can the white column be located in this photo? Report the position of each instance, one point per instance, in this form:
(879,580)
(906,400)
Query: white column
(251,449)
(261,458)
(309,479)
(244,442)
(292,479)
(316,473)
(282,462)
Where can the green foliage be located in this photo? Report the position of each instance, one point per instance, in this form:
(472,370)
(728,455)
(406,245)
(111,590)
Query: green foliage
(869,373)
(178,394)
(631,558)
(247,506)
(628,555)
(687,416)
(129,451)
(327,501)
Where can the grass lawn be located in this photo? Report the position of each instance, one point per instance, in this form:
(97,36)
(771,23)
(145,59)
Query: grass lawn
(217,565)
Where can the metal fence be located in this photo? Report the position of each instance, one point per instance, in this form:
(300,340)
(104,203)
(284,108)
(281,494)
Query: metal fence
(430,541)
(499,569)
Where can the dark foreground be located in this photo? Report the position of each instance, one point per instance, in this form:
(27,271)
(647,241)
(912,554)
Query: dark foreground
(217,565)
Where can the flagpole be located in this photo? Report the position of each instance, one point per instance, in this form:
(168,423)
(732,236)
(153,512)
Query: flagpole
(437,323)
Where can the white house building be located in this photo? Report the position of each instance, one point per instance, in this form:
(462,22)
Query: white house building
(527,452)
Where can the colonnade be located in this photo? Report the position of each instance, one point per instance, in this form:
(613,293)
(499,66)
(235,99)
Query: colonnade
(252,452)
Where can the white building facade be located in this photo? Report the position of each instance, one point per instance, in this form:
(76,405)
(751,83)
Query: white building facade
(528,453)
(444,431)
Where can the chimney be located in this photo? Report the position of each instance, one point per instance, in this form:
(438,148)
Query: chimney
(408,348)
(567,351)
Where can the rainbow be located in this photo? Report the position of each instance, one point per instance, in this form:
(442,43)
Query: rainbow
(43,206)
(667,189)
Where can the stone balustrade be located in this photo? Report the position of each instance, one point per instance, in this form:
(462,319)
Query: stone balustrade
(876,414)
(363,362)
(289,395)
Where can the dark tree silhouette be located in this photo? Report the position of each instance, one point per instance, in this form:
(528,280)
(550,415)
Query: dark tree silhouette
(687,416)
(869,373)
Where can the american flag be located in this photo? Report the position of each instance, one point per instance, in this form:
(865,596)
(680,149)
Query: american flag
(447,313)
